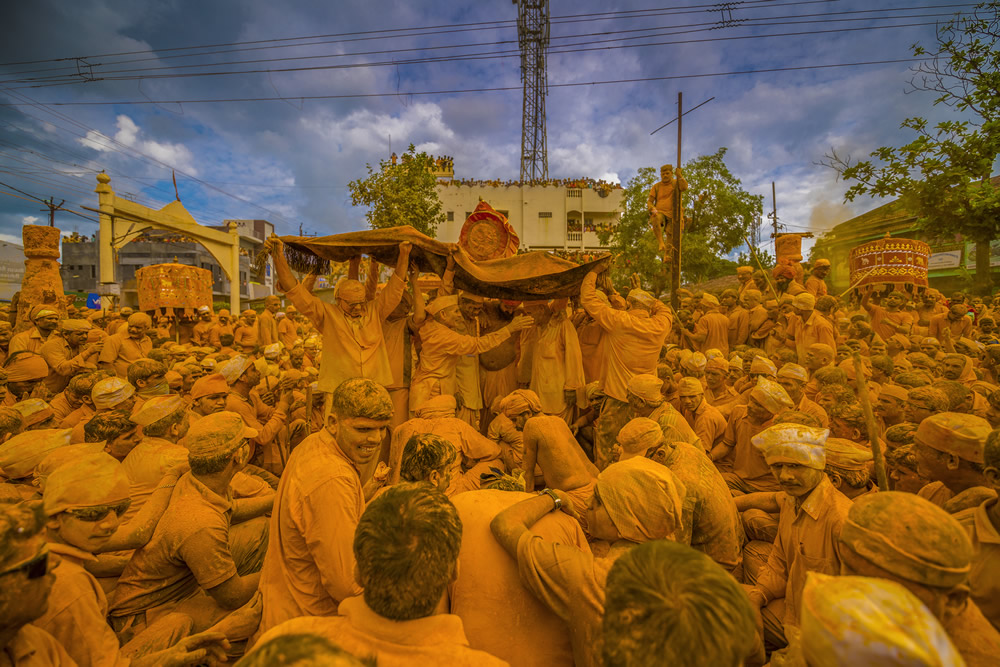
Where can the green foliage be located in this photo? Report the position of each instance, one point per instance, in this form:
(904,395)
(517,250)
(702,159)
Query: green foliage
(719,214)
(400,194)
(941,176)
(765,258)
(716,207)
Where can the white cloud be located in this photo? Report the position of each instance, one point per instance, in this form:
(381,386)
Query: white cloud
(28,220)
(173,154)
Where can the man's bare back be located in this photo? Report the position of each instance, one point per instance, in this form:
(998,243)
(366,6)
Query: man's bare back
(549,442)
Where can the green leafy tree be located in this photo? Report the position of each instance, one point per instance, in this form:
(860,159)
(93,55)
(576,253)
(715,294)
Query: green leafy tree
(400,194)
(719,214)
(942,174)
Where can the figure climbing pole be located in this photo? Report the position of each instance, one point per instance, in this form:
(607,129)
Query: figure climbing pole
(666,212)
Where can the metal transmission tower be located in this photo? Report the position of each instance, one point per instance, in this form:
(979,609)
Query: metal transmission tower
(533,37)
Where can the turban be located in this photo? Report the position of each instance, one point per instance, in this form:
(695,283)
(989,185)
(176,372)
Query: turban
(895,391)
(593,391)
(771,395)
(157,408)
(443,405)
(641,296)
(821,262)
(217,434)
(690,387)
(770,303)
(67,454)
(640,435)
(26,367)
(173,376)
(870,621)
(75,325)
(139,319)
(291,310)
(209,385)
(647,387)
(755,293)
(709,299)
(33,411)
(695,362)
(96,479)
(712,353)
(744,269)
(793,443)
(208,364)
(909,537)
(736,364)
(793,371)
(126,311)
(248,312)
(204,309)
(823,349)
(42,310)
(234,369)
(293,376)
(520,400)
(442,302)
(223,313)
(763,366)
(804,301)
(643,499)
(20,454)
(955,433)
(930,341)
(110,392)
(718,364)
(847,455)
(900,340)
(783,271)
(272,351)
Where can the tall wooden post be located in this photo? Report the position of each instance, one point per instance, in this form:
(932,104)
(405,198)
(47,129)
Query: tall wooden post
(675,224)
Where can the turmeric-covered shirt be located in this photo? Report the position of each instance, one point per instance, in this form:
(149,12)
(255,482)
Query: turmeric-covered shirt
(352,347)
(807,541)
(120,350)
(432,640)
(633,341)
(309,566)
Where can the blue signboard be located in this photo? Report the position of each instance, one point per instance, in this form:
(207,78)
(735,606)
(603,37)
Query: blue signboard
(94,301)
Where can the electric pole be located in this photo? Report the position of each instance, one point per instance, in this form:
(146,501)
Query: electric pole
(533,39)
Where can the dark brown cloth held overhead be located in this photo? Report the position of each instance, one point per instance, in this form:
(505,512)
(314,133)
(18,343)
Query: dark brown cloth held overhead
(530,276)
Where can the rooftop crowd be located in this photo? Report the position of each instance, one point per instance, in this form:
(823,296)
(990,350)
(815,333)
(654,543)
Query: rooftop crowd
(399,478)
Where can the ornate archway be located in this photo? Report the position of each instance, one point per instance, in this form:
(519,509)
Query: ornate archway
(128,218)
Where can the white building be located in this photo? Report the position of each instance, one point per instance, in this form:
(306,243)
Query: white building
(563,215)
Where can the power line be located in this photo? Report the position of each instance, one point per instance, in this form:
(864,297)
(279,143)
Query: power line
(397,32)
(457,91)
(589,45)
(143,156)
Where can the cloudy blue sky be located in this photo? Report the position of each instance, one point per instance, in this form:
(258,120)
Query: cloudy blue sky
(289,159)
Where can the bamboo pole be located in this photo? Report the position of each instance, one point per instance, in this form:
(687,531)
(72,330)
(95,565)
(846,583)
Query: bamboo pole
(873,432)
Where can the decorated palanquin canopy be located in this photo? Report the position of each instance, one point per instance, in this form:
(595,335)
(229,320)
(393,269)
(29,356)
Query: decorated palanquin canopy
(170,289)
(890,261)
(486,234)
(529,276)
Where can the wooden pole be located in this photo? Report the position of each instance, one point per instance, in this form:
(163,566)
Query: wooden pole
(675,224)
(753,253)
(873,432)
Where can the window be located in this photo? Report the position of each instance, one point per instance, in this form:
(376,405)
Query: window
(544,214)
(451,216)
(574,193)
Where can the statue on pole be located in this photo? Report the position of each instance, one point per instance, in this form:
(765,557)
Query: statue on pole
(662,205)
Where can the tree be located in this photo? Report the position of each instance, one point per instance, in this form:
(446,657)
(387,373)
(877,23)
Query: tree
(719,214)
(942,175)
(402,193)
